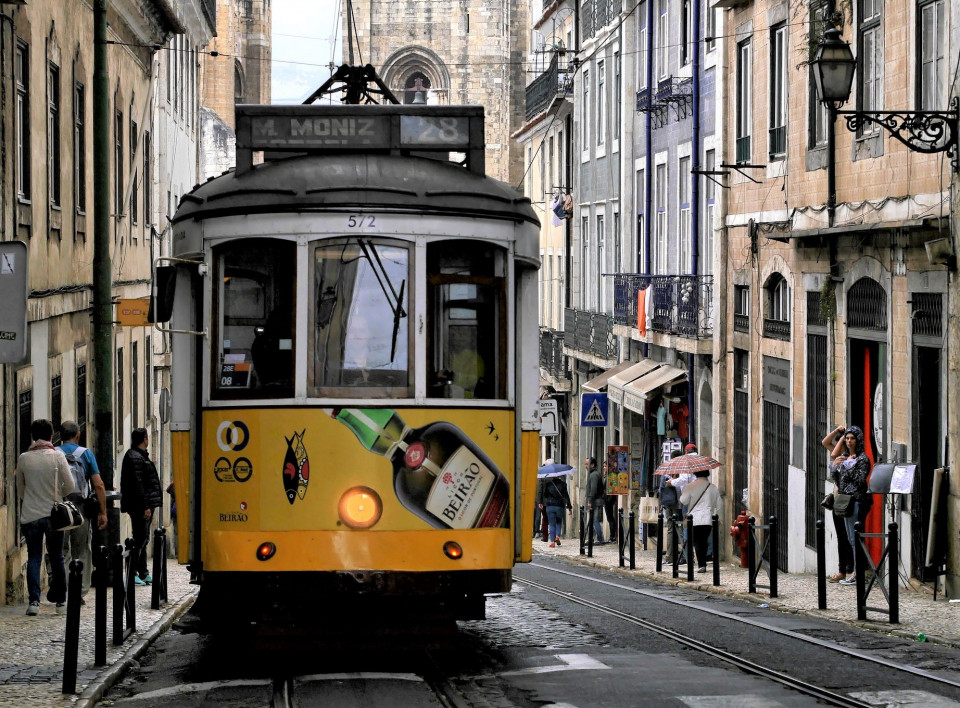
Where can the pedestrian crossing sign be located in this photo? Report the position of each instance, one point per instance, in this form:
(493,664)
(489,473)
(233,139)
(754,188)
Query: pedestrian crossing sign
(593,410)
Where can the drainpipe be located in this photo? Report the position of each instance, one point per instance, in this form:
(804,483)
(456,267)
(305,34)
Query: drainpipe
(644,256)
(695,196)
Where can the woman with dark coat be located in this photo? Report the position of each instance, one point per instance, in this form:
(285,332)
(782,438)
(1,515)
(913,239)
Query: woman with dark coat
(553,497)
(850,470)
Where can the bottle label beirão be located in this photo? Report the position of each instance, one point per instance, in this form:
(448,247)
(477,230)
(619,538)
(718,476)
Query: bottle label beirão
(459,492)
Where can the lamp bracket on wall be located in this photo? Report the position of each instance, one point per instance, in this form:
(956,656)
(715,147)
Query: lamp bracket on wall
(744,166)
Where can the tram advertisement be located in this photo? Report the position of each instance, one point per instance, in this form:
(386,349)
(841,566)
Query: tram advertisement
(293,469)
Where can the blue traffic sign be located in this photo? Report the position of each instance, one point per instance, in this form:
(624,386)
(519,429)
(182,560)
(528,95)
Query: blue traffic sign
(593,410)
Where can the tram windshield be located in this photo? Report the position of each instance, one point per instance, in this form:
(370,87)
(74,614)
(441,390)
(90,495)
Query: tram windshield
(359,319)
(255,307)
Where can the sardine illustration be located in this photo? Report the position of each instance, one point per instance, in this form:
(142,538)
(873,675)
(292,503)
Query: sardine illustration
(296,468)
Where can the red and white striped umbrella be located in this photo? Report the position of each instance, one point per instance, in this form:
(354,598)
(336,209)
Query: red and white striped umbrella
(687,464)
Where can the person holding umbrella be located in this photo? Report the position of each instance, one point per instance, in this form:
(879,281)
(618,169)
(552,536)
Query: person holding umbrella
(552,497)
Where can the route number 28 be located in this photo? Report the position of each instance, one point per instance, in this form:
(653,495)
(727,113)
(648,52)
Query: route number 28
(361,221)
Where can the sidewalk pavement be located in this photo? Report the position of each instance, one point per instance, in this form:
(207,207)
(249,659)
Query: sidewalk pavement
(31,648)
(797,592)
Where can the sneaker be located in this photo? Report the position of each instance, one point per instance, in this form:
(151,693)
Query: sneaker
(61,608)
(849,580)
(702,569)
(558,540)
(839,577)
(149,579)
(137,580)
(668,562)
(33,609)
(553,545)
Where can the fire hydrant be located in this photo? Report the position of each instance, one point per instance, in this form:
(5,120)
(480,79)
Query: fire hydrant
(740,531)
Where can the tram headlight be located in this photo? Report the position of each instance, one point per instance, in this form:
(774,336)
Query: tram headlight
(453,550)
(360,507)
(266,550)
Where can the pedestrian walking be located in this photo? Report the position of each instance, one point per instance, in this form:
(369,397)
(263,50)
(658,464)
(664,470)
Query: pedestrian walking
(669,506)
(552,498)
(702,498)
(595,497)
(140,495)
(86,477)
(43,478)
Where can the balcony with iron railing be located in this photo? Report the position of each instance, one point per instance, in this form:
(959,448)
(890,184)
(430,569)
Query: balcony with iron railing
(542,91)
(741,323)
(597,14)
(552,358)
(590,333)
(682,304)
(776,329)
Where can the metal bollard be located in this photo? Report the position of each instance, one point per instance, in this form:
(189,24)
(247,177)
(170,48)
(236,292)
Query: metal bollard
(633,542)
(119,593)
(590,532)
(674,521)
(583,531)
(159,552)
(660,542)
(71,640)
(860,563)
(131,553)
(893,573)
(689,549)
(821,566)
(715,530)
(774,556)
(621,538)
(751,556)
(101,563)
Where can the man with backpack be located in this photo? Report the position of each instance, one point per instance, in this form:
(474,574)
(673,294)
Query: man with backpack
(86,479)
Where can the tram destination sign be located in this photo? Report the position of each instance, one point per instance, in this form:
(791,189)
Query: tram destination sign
(376,128)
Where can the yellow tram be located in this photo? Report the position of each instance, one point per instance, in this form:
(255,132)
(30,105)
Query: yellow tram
(355,366)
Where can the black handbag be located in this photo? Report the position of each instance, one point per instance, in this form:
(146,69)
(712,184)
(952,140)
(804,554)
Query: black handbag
(843,505)
(827,502)
(64,515)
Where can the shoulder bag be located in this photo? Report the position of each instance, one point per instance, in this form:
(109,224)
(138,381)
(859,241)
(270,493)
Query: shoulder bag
(843,505)
(64,515)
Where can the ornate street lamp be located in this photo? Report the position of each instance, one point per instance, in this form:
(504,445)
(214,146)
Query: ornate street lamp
(921,131)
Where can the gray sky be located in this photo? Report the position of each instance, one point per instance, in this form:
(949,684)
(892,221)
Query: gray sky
(303,47)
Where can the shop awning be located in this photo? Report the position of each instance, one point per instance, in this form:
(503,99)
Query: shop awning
(645,366)
(656,379)
(598,383)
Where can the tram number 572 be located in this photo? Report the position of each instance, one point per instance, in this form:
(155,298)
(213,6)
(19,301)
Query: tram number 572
(361,221)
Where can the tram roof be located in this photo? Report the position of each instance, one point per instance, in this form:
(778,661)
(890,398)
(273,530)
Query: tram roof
(352,181)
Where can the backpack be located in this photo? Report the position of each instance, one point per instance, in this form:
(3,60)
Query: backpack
(79,472)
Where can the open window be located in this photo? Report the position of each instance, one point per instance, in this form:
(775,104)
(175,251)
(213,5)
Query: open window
(466,300)
(359,319)
(254,307)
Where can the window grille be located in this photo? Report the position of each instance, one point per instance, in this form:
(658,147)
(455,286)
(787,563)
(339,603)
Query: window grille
(867,305)
(927,314)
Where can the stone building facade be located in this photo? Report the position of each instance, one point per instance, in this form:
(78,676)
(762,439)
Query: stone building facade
(460,54)
(48,184)
(235,68)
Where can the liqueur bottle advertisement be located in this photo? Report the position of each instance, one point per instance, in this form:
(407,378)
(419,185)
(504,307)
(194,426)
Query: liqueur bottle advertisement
(287,469)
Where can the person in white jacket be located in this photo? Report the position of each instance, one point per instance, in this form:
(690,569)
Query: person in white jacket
(702,500)
(43,477)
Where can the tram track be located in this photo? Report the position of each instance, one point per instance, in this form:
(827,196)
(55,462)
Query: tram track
(766,626)
(820,693)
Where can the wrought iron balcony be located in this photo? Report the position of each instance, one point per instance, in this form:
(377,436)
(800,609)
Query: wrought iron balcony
(682,304)
(590,333)
(776,329)
(741,323)
(552,358)
(545,88)
(597,14)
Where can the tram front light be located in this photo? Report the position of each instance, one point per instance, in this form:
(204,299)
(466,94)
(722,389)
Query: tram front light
(453,550)
(266,550)
(360,507)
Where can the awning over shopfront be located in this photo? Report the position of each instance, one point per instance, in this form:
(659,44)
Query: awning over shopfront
(617,382)
(639,390)
(599,383)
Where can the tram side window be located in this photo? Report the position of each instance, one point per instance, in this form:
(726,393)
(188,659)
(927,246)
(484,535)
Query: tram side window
(255,308)
(467,333)
(359,322)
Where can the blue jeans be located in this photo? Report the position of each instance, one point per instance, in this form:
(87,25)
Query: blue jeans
(35,532)
(849,522)
(554,522)
(597,520)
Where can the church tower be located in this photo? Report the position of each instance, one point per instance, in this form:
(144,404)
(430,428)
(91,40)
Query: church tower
(450,52)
